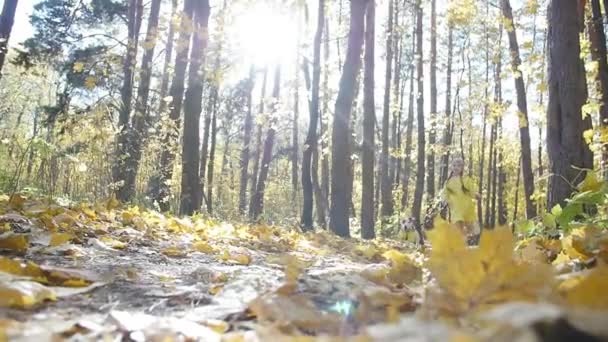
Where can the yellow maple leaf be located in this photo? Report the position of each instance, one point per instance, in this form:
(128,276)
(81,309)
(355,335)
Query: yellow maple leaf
(15,242)
(238,258)
(489,274)
(588,289)
(175,252)
(113,243)
(203,247)
(24,294)
(59,239)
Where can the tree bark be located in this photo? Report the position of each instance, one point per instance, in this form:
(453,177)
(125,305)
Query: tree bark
(170,140)
(597,37)
(310,146)
(247,130)
(7,19)
(340,161)
(522,106)
(369,118)
(124,190)
(419,190)
(164,83)
(430,184)
(258,196)
(136,132)
(447,133)
(386,187)
(567,94)
(191,183)
(409,125)
(258,145)
(211,163)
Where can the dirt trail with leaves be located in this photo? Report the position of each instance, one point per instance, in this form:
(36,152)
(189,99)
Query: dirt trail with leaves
(100,271)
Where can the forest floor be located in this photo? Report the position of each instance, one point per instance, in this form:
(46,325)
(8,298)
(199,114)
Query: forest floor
(101,272)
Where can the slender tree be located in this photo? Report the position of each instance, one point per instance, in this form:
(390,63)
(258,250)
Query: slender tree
(310,144)
(170,140)
(419,190)
(7,19)
(136,131)
(340,160)
(247,131)
(522,106)
(258,197)
(386,182)
(369,117)
(567,93)
(409,124)
(597,37)
(120,172)
(448,130)
(258,145)
(430,163)
(190,194)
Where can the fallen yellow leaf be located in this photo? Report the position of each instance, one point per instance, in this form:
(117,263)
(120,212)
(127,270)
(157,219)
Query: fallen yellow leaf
(113,243)
(59,239)
(15,242)
(588,289)
(24,294)
(203,247)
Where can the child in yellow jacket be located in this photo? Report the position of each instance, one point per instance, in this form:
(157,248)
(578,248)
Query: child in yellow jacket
(461,196)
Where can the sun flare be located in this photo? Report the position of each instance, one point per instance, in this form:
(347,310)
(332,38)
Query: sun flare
(266,34)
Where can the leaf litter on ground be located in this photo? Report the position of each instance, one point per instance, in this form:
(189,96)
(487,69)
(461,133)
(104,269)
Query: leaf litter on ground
(102,271)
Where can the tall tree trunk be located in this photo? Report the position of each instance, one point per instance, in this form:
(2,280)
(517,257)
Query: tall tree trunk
(136,133)
(597,37)
(125,190)
(395,167)
(164,82)
(191,183)
(324,124)
(7,19)
(488,198)
(247,131)
(258,196)
(310,146)
(170,140)
(211,163)
(522,106)
(386,183)
(258,145)
(567,94)
(502,181)
(482,151)
(409,124)
(340,160)
(419,190)
(430,184)
(369,117)
(447,133)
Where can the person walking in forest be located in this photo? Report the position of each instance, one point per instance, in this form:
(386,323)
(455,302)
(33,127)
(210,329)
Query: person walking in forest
(460,194)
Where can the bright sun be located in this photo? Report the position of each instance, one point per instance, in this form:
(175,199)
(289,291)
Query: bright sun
(266,34)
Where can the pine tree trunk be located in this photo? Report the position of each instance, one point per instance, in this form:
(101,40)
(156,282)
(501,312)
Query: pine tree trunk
(323,125)
(125,190)
(482,152)
(170,140)
(597,37)
(190,198)
(522,106)
(310,145)
(567,94)
(247,131)
(369,117)
(164,83)
(7,19)
(258,196)
(341,195)
(430,184)
(447,134)
(419,190)
(386,188)
(204,153)
(502,181)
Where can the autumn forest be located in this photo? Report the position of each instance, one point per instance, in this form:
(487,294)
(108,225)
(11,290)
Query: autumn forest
(405,135)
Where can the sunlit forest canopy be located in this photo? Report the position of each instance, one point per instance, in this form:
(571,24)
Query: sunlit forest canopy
(409,133)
